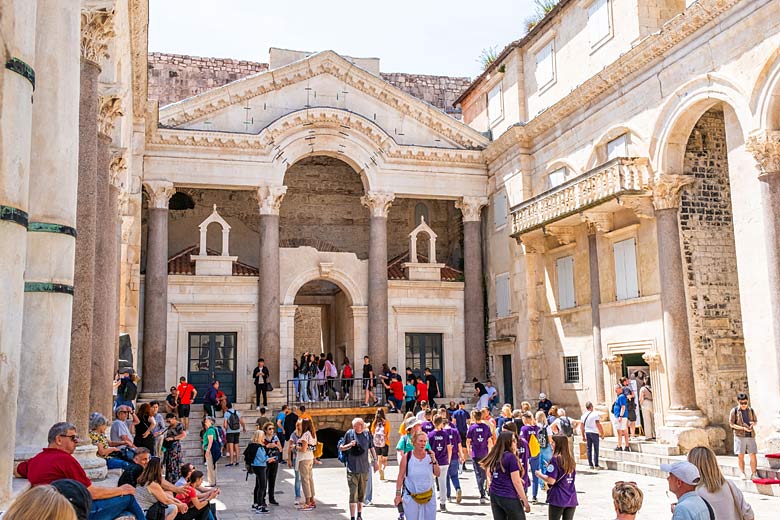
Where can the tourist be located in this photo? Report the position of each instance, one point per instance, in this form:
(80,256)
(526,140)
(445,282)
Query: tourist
(394,390)
(380,431)
(410,426)
(525,406)
(505,415)
(187,395)
(143,428)
(97,434)
(490,421)
(273,448)
(480,392)
(552,416)
(296,379)
(257,454)
(410,395)
(427,421)
(455,458)
(57,462)
(346,375)
(290,422)
(303,414)
(433,387)
(461,418)
(305,448)
(492,393)
(564,426)
(592,432)
(331,373)
(416,486)
(368,382)
(544,436)
(203,494)
(292,458)
(303,378)
(631,406)
(530,432)
(159,428)
(627,499)
(279,421)
(441,445)
(172,402)
(211,448)
(122,427)
(357,444)
(41,503)
(683,479)
(197,508)
(128,388)
(722,495)
(150,494)
(210,400)
(133,471)
(174,434)
(261,376)
(312,377)
(544,404)
(478,441)
(233,424)
(505,479)
(560,474)
(742,421)
(76,493)
(646,407)
(322,380)
(263,419)
(522,453)
(620,419)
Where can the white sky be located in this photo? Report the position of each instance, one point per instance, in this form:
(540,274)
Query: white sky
(417,36)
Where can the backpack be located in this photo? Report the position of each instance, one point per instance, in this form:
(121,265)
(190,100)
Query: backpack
(216,445)
(332,372)
(320,376)
(533,446)
(347,372)
(233,421)
(342,454)
(544,442)
(379,435)
(130,391)
(566,426)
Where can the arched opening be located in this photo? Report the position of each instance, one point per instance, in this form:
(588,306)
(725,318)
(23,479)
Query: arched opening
(180,202)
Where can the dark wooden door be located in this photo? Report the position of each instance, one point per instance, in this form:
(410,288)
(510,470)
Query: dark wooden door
(424,350)
(212,356)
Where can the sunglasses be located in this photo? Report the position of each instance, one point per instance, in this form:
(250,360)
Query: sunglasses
(74,438)
(743,403)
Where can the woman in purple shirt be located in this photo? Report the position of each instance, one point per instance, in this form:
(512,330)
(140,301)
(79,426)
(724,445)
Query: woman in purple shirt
(505,477)
(526,432)
(522,453)
(559,475)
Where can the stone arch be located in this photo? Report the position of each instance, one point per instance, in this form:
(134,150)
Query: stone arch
(765,98)
(598,154)
(331,274)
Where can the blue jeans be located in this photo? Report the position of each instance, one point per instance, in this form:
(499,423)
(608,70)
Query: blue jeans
(534,462)
(452,474)
(117,463)
(295,384)
(399,404)
(545,455)
(110,508)
(479,471)
(369,486)
(297,480)
(303,388)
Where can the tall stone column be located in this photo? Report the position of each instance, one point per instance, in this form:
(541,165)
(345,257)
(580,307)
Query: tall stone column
(17,83)
(378,203)
(269,199)
(51,239)
(474,303)
(155,332)
(118,170)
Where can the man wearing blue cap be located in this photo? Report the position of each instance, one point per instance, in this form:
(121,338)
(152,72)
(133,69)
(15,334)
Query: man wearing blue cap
(683,479)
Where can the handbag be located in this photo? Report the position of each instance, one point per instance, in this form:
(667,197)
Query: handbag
(269,387)
(318,450)
(156,512)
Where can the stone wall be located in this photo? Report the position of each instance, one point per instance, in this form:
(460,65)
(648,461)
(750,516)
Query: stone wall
(710,266)
(439,91)
(308,329)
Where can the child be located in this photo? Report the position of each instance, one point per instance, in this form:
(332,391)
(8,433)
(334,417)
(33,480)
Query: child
(410,395)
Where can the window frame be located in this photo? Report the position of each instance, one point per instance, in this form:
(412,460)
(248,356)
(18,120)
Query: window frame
(498,226)
(568,304)
(578,362)
(610,32)
(503,277)
(494,120)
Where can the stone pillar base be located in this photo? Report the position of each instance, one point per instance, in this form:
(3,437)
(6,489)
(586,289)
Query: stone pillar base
(683,437)
(145,397)
(94,466)
(693,418)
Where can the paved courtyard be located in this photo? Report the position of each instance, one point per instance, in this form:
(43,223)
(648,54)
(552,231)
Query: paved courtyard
(331,488)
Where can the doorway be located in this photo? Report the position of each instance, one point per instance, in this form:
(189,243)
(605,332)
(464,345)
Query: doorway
(506,371)
(424,350)
(212,356)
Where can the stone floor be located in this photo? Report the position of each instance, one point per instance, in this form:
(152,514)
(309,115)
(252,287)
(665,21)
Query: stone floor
(594,490)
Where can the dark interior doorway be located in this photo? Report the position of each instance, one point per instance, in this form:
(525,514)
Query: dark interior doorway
(329,437)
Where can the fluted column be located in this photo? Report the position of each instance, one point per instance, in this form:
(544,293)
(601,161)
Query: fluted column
(269,199)
(378,204)
(155,332)
(473,304)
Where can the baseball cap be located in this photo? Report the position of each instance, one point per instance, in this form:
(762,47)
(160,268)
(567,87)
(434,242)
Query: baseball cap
(542,396)
(410,423)
(77,495)
(683,470)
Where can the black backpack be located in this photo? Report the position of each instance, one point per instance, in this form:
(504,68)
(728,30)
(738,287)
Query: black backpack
(233,422)
(566,426)
(130,390)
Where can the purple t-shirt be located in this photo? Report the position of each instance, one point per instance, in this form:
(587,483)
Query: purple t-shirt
(501,481)
(427,427)
(455,441)
(479,435)
(439,440)
(524,453)
(562,493)
(527,431)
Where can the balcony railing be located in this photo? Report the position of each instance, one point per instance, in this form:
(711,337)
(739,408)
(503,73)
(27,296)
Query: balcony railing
(620,176)
(333,393)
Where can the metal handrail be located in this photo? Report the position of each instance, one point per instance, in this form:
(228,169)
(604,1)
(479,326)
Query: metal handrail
(333,393)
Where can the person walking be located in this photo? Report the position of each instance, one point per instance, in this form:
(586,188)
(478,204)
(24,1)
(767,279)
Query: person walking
(331,373)
(346,375)
(273,449)
(415,487)
(305,448)
(441,445)
(529,432)
(356,447)
(433,387)
(560,474)
(646,407)
(455,458)
(592,432)
(174,434)
(481,393)
(368,382)
(683,479)
(233,424)
(620,418)
(312,376)
(187,395)
(303,378)
(478,440)
(627,499)
(257,458)
(742,421)
(210,446)
(461,418)
(380,432)
(505,479)
(545,446)
(211,400)
(725,498)
(261,375)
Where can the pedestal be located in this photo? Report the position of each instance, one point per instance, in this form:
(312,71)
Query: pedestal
(94,466)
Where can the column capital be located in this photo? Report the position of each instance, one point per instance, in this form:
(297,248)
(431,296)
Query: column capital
(117,169)
(613,361)
(110,110)
(378,202)
(269,199)
(597,221)
(160,192)
(471,207)
(668,188)
(533,242)
(765,147)
(653,359)
(97,28)
(564,234)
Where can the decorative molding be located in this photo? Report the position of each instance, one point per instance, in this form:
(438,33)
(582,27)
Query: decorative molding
(641,205)
(110,110)
(97,27)
(117,169)
(139,25)
(564,234)
(160,192)
(668,188)
(612,362)
(533,243)
(653,359)
(325,269)
(471,207)
(378,202)
(269,199)
(597,221)
(208,307)
(765,147)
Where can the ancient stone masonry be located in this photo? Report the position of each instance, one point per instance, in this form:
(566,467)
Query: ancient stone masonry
(710,266)
(439,91)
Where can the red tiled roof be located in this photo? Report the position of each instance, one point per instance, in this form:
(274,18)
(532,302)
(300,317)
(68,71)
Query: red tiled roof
(395,270)
(182,263)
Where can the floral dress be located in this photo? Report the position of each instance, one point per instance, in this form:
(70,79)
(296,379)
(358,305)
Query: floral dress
(172,457)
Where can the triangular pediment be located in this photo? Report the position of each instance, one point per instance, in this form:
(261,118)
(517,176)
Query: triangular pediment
(324,80)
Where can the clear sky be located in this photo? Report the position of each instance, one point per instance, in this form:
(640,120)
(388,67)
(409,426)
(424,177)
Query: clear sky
(416,36)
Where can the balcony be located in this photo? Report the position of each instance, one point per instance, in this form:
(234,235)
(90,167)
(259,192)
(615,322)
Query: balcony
(620,176)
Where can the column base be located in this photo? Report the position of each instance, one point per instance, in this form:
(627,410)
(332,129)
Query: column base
(693,418)
(683,437)
(151,396)
(94,466)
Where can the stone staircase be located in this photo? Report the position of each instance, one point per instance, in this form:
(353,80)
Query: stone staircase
(646,457)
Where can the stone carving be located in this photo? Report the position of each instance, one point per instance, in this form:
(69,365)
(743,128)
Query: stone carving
(471,207)
(597,221)
(668,188)
(110,110)
(765,147)
(97,27)
(641,205)
(117,169)
(160,192)
(378,202)
(533,243)
(653,359)
(613,362)
(422,228)
(139,24)
(564,234)
(269,199)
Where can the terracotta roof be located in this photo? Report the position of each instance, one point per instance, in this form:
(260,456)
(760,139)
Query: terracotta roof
(182,263)
(395,269)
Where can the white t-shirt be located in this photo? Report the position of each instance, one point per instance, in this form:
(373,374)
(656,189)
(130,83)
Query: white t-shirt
(491,391)
(590,419)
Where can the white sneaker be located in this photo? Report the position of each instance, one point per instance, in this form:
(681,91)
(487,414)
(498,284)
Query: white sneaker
(257,408)
(749,476)
(742,475)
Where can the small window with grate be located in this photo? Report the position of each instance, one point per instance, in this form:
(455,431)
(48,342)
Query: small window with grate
(571,368)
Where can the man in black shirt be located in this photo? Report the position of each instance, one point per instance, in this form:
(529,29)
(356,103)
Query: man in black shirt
(261,375)
(433,386)
(134,470)
(368,382)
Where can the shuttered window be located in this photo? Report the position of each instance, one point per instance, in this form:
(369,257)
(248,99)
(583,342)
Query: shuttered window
(556,178)
(495,104)
(626,281)
(565,275)
(617,147)
(545,66)
(499,209)
(599,22)
(502,295)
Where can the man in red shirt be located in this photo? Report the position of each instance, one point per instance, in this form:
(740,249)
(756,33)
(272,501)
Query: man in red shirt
(187,394)
(56,462)
(422,391)
(395,394)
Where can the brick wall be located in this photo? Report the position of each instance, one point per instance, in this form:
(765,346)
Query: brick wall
(308,330)
(439,91)
(711,271)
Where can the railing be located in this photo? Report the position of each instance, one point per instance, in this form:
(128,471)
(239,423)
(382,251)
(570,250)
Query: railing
(622,175)
(333,393)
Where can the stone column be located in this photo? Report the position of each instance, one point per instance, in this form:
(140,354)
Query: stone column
(118,171)
(533,367)
(17,83)
(378,204)
(155,332)
(51,243)
(474,303)
(269,199)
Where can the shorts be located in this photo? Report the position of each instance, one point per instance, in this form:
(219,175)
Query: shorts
(368,384)
(232,438)
(462,438)
(357,487)
(184,410)
(621,423)
(745,445)
(383,451)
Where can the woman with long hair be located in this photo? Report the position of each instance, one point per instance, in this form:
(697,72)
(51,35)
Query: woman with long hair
(415,486)
(149,491)
(305,447)
(724,496)
(143,430)
(274,450)
(40,503)
(197,508)
(296,378)
(505,479)
(256,452)
(560,474)
(330,375)
(347,373)
(380,432)
(303,377)
(545,447)
(292,459)
(312,375)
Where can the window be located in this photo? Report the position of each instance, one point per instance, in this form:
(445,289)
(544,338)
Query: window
(556,178)
(495,104)
(571,369)
(626,282)
(599,22)
(545,66)
(502,295)
(564,268)
(499,209)
(617,147)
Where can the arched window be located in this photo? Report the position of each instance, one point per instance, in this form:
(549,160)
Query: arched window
(181,201)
